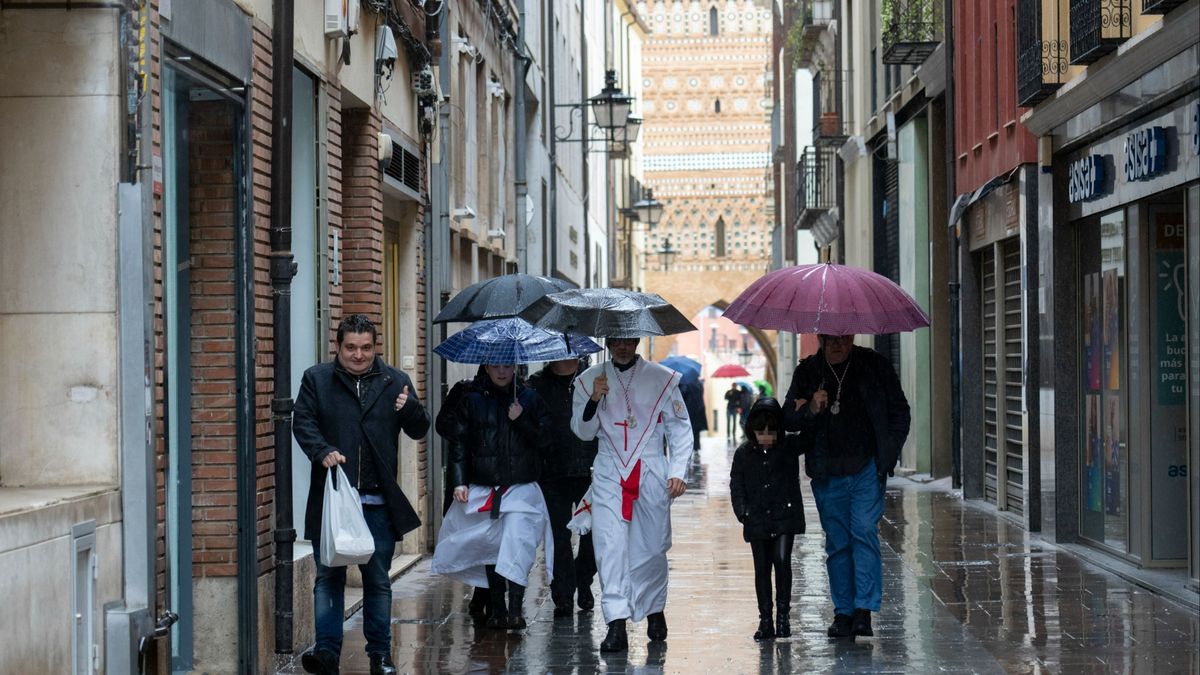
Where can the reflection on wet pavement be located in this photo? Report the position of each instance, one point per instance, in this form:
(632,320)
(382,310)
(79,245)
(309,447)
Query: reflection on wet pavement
(964,592)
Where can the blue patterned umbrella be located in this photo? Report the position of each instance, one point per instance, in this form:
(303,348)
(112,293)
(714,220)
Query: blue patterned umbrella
(511,341)
(689,369)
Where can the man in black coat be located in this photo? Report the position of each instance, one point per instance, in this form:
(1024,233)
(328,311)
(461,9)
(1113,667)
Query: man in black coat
(567,475)
(351,411)
(853,419)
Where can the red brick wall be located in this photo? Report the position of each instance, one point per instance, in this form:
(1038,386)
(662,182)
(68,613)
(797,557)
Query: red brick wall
(989,139)
(362,215)
(333,198)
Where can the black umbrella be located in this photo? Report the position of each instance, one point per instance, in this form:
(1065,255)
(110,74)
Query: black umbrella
(498,297)
(607,312)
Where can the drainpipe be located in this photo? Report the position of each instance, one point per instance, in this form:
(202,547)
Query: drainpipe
(283,268)
(520,67)
(585,180)
(552,109)
(952,235)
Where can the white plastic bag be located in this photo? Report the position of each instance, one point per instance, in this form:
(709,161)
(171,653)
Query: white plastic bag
(345,537)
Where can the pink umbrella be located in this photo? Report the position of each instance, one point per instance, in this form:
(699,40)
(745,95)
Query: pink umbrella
(731,370)
(828,299)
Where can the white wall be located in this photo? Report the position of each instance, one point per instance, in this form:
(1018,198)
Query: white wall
(59,127)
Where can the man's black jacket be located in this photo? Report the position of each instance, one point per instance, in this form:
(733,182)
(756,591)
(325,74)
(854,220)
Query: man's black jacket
(328,417)
(569,457)
(487,448)
(879,387)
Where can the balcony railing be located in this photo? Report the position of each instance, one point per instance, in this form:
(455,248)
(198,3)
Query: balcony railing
(1098,27)
(829,122)
(816,183)
(1160,6)
(1041,49)
(813,18)
(912,29)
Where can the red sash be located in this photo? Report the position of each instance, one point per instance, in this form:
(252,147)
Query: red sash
(630,489)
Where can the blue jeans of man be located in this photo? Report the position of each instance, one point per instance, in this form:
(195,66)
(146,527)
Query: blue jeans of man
(329,592)
(850,508)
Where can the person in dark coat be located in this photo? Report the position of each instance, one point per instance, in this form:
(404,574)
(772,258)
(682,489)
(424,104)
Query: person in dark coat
(853,418)
(351,411)
(764,486)
(567,476)
(499,442)
(693,398)
(733,412)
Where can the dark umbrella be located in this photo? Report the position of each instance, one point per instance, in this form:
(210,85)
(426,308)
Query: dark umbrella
(607,312)
(498,297)
(511,340)
(688,369)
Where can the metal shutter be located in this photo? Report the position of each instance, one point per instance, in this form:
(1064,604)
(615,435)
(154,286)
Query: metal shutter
(1003,425)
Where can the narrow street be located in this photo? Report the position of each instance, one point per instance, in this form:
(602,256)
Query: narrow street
(965,591)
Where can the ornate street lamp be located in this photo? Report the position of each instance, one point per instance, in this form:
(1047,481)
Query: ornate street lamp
(666,253)
(611,106)
(649,210)
(745,356)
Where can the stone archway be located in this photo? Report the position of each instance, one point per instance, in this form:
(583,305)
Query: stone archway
(691,290)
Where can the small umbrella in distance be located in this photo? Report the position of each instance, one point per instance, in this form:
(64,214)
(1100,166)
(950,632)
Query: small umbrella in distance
(498,297)
(731,370)
(688,369)
(511,341)
(607,312)
(828,299)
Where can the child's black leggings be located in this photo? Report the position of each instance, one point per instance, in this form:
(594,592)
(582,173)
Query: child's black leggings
(774,552)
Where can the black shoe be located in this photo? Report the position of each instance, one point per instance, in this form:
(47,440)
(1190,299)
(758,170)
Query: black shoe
(321,662)
(765,630)
(381,664)
(617,640)
(656,627)
(563,610)
(516,622)
(860,623)
(479,607)
(586,601)
(498,620)
(840,628)
(783,624)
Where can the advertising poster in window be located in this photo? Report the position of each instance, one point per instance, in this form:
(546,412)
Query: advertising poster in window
(1091,331)
(1112,330)
(1112,455)
(1093,494)
(1168,412)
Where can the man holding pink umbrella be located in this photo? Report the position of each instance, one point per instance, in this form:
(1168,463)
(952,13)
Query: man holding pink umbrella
(847,403)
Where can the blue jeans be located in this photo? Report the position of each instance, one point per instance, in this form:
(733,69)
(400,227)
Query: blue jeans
(329,597)
(850,508)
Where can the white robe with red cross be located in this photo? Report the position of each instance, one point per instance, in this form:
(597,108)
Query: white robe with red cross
(471,539)
(645,438)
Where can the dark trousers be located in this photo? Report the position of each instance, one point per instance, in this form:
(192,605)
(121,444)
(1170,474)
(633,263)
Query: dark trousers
(570,572)
(732,419)
(329,591)
(776,553)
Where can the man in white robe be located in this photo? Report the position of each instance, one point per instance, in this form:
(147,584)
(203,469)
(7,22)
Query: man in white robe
(634,407)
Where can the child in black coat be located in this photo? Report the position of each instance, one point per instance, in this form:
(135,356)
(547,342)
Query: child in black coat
(764,485)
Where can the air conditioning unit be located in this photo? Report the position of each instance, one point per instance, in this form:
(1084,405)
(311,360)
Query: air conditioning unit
(341,18)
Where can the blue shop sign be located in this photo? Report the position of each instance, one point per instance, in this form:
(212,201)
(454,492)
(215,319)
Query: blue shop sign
(1085,178)
(1145,153)
(1196,129)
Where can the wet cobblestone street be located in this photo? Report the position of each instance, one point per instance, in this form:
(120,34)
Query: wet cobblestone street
(965,591)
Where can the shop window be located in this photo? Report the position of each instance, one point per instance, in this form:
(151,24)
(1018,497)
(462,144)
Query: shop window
(1104,466)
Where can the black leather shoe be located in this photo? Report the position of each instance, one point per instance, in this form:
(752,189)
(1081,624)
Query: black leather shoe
(765,630)
(320,662)
(586,601)
(617,639)
(860,623)
(783,624)
(516,622)
(479,607)
(381,664)
(840,628)
(563,610)
(656,627)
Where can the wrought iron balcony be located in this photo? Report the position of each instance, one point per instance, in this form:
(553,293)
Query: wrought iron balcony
(1160,6)
(1098,27)
(814,17)
(816,183)
(1041,49)
(829,123)
(912,29)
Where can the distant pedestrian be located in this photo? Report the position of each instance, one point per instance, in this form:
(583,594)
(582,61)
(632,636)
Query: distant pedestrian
(351,411)
(490,534)
(747,401)
(733,412)
(851,445)
(764,486)
(565,478)
(693,398)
